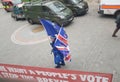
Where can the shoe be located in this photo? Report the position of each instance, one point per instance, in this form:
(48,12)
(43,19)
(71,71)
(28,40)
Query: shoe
(58,66)
(114,36)
(63,64)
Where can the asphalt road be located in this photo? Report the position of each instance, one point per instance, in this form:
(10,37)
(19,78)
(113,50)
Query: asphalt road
(92,47)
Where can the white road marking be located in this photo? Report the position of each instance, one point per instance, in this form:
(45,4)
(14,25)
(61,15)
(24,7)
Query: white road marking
(27,42)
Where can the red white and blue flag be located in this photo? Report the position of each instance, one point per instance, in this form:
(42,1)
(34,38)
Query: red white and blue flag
(62,36)
(61,44)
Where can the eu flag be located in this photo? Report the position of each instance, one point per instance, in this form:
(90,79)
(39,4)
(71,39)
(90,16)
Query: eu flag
(50,27)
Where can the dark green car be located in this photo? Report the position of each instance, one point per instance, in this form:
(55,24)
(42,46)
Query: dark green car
(79,7)
(50,10)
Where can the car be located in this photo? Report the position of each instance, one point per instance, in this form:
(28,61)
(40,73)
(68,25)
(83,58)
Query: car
(79,7)
(8,4)
(54,11)
(17,12)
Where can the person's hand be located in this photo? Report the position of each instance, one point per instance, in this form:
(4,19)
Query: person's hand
(68,57)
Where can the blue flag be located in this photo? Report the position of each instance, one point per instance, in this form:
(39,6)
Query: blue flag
(50,27)
(61,42)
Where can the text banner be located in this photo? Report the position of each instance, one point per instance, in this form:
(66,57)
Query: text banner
(39,74)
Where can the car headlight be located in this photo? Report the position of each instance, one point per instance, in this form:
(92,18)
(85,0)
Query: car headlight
(61,16)
(77,8)
(81,4)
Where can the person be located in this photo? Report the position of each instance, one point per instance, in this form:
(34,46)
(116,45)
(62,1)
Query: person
(58,56)
(117,26)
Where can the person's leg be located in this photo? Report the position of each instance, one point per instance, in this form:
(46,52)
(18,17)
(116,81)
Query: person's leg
(57,61)
(115,31)
(62,63)
(62,60)
(58,66)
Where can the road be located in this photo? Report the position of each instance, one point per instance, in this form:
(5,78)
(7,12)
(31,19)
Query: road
(92,47)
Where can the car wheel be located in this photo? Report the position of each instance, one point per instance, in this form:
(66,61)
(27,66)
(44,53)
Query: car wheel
(30,21)
(16,18)
(7,10)
(75,13)
(12,16)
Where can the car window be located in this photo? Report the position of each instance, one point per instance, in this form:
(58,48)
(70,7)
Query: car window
(45,9)
(57,6)
(5,3)
(16,1)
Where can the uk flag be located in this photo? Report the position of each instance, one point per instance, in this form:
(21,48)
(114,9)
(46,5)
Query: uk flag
(61,44)
(62,36)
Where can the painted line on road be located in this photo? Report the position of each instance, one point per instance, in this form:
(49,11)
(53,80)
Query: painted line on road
(23,41)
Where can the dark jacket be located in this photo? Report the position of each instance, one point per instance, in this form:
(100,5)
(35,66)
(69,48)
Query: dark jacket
(118,21)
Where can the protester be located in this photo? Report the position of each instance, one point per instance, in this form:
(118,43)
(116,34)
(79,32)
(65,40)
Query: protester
(117,26)
(59,42)
(58,56)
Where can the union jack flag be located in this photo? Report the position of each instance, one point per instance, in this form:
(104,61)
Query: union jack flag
(62,36)
(61,44)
